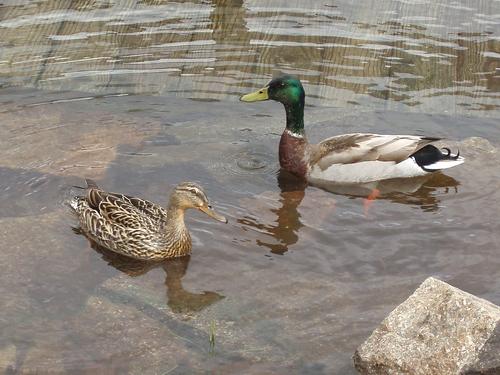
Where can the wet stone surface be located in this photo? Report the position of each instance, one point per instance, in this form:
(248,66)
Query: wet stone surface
(438,330)
(488,359)
(291,285)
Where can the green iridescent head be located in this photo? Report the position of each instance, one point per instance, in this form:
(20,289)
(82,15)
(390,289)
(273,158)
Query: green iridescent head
(285,89)
(289,91)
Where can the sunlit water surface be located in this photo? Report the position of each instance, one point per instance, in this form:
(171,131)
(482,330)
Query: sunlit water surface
(142,95)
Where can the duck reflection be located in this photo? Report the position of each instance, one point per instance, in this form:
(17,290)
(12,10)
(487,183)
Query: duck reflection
(179,299)
(423,192)
(417,191)
(287,223)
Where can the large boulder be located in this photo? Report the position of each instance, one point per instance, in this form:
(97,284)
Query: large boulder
(438,330)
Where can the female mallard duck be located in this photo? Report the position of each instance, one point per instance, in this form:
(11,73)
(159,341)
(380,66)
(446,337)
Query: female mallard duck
(138,228)
(348,158)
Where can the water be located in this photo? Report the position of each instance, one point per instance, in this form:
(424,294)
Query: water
(142,95)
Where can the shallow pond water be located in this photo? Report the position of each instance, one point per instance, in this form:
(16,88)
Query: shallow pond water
(142,95)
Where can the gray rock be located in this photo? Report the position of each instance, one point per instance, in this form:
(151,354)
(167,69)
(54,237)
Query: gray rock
(488,359)
(438,330)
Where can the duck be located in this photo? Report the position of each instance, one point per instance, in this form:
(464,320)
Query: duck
(348,158)
(138,228)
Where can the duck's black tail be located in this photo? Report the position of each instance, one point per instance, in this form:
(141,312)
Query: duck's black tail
(431,159)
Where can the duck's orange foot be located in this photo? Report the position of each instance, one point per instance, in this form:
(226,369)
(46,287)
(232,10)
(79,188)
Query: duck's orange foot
(368,201)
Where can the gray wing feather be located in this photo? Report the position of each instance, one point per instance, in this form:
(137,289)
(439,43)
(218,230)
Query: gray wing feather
(359,147)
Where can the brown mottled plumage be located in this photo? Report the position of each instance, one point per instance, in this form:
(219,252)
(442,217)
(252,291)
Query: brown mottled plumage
(139,228)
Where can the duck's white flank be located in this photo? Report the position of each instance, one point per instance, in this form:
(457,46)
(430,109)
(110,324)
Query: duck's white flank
(367,171)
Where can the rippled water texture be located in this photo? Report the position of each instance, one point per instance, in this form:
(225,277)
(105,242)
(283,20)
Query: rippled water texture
(142,95)
(403,53)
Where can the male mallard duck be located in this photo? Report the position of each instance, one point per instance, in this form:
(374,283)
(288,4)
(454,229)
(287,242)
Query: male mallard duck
(348,158)
(138,228)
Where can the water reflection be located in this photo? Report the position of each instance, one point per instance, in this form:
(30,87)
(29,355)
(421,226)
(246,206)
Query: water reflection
(179,299)
(287,223)
(423,192)
(214,49)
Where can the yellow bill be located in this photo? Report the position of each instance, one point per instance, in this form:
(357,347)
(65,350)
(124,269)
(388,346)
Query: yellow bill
(256,96)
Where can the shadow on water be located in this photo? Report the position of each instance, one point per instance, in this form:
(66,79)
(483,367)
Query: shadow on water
(179,299)
(422,192)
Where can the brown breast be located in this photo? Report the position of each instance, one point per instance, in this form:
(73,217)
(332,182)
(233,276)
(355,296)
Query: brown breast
(291,153)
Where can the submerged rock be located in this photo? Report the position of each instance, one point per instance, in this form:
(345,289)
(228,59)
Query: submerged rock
(439,330)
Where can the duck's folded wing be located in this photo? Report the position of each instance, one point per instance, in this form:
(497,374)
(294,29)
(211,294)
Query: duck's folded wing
(151,209)
(361,147)
(118,209)
(95,196)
